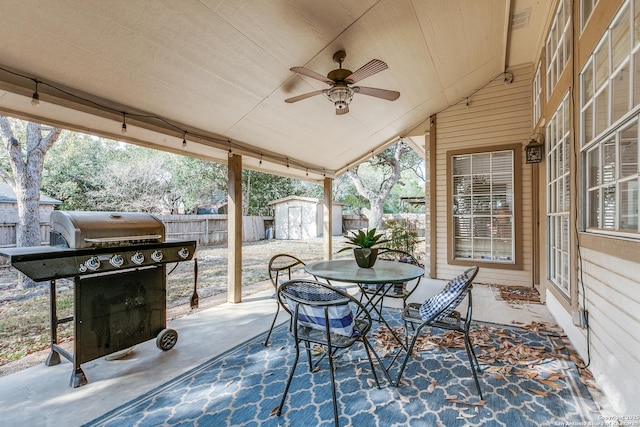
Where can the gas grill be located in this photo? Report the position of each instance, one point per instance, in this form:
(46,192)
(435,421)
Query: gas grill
(118,264)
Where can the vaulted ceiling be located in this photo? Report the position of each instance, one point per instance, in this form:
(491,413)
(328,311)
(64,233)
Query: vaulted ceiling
(216,72)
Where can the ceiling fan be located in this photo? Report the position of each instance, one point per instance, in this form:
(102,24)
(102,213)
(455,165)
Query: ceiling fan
(341,80)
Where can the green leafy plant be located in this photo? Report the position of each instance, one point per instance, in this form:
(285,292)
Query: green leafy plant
(365,239)
(402,235)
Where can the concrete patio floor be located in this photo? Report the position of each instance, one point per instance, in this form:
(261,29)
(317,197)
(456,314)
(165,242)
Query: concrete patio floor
(41,395)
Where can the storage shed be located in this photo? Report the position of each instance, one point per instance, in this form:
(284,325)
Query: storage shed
(299,218)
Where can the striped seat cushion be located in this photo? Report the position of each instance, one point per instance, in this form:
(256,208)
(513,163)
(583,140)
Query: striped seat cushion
(341,320)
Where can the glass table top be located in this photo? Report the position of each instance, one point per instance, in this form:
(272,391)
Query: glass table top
(383,271)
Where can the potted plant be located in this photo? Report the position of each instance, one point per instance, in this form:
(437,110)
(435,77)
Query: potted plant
(364,250)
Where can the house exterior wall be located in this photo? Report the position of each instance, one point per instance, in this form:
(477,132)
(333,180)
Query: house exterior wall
(498,116)
(605,274)
(604,266)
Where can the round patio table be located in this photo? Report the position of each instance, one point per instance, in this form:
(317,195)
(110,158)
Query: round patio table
(346,270)
(384,273)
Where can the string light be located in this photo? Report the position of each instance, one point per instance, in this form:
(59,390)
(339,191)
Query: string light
(35,98)
(184,139)
(35,101)
(124,123)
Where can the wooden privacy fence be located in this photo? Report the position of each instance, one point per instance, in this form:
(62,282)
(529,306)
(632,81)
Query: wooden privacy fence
(205,229)
(212,229)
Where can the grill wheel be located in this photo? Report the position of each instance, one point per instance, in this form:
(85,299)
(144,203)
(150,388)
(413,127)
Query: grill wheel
(166,339)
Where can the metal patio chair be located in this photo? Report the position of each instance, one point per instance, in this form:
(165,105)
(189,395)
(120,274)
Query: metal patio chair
(322,314)
(280,265)
(440,311)
(376,293)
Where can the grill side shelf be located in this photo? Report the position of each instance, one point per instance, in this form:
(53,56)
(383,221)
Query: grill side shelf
(42,263)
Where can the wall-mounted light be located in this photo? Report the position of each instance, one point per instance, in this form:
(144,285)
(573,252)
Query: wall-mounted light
(535,148)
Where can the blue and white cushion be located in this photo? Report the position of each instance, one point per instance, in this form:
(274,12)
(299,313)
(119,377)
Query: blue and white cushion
(447,297)
(341,320)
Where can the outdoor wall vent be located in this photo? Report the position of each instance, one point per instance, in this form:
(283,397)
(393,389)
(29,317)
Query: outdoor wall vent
(520,19)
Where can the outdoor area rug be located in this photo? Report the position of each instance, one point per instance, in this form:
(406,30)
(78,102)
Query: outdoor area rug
(529,378)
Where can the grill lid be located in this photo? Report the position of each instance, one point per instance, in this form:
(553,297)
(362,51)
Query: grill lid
(91,229)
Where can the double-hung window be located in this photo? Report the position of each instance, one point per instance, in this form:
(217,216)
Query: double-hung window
(610,117)
(483,205)
(558,46)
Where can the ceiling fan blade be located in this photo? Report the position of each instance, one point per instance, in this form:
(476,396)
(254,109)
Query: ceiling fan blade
(367,70)
(303,96)
(309,73)
(341,111)
(389,95)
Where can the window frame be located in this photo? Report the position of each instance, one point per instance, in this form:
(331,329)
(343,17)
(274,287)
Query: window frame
(517,238)
(594,139)
(558,42)
(537,95)
(559,200)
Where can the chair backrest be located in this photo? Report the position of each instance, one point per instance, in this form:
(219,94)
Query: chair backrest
(442,304)
(282,264)
(318,305)
(400,256)
(406,257)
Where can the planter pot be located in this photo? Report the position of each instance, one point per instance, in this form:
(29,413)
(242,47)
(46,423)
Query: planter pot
(365,257)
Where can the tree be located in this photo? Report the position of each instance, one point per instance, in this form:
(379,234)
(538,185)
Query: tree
(136,180)
(26,160)
(197,181)
(72,168)
(375,178)
(261,188)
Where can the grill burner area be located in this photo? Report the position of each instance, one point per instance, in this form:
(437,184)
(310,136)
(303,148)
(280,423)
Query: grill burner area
(118,264)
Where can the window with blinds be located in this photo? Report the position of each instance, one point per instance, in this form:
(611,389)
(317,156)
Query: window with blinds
(609,127)
(482,187)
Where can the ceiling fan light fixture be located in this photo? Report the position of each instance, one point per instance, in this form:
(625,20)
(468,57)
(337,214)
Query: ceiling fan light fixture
(341,96)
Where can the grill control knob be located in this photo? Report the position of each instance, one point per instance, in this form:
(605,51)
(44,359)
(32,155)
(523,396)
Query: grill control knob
(116,260)
(183,253)
(156,256)
(92,263)
(137,258)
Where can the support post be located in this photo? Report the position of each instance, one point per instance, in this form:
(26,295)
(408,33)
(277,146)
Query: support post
(234,230)
(327,223)
(433,214)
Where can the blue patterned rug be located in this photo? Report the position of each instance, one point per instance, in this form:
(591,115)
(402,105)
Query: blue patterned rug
(529,378)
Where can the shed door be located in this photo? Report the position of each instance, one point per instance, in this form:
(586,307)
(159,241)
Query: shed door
(294,222)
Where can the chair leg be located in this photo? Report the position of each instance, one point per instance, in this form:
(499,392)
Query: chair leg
(367,348)
(286,388)
(406,358)
(273,323)
(468,338)
(333,389)
(472,362)
(307,347)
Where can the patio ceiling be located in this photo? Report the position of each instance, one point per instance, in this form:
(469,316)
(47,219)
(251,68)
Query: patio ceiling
(219,71)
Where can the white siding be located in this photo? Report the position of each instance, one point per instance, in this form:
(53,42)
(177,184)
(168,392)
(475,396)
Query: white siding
(497,114)
(613,302)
